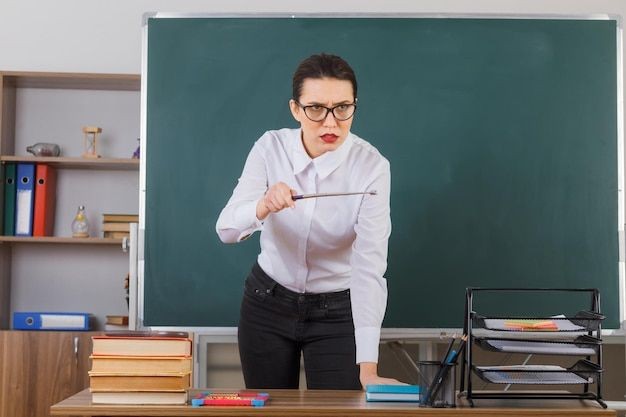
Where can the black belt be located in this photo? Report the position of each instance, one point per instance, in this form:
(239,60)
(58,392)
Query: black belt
(276,288)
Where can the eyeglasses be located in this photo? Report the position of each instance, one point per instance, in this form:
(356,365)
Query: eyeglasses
(317,113)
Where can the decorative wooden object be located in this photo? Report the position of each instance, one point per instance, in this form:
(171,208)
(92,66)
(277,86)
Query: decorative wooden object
(91,141)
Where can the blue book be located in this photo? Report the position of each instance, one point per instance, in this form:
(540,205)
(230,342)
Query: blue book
(393,389)
(403,393)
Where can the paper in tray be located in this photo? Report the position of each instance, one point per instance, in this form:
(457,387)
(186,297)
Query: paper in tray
(538,347)
(558,323)
(559,326)
(541,378)
(582,372)
(581,322)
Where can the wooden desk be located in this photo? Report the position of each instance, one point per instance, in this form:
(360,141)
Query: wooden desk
(291,403)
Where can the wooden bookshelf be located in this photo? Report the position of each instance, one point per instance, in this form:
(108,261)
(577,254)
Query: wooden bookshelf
(33,359)
(107,172)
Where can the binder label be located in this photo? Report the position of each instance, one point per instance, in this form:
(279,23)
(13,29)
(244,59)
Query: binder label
(24,199)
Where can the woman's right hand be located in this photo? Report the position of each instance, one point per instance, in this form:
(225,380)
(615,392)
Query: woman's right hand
(277,197)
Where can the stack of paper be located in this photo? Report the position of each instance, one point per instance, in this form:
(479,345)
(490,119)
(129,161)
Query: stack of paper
(531,325)
(559,323)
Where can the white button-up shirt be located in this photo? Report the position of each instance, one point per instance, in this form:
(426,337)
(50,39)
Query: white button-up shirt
(324,244)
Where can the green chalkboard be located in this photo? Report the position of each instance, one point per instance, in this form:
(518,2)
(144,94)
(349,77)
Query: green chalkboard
(501,133)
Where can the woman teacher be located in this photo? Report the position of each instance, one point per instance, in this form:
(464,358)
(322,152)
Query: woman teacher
(317,288)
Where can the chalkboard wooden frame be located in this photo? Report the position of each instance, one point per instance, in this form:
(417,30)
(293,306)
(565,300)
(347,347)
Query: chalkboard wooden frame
(153,312)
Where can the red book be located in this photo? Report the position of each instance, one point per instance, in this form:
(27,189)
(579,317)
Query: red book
(141,344)
(45,200)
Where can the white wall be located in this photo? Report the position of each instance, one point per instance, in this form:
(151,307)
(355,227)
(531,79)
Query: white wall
(105,36)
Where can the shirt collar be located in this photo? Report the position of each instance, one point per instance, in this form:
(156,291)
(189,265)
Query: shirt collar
(301,159)
(324,164)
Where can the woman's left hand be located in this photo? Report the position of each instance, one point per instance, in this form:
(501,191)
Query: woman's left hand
(369,376)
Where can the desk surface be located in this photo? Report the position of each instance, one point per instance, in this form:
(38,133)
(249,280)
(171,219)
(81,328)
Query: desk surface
(289,403)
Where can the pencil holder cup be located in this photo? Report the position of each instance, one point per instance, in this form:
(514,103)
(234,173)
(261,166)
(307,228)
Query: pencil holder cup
(441,381)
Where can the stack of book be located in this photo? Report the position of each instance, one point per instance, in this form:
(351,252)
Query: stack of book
(118,225)
(141,368)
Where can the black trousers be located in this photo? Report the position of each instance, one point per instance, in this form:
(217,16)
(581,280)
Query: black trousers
(277,325)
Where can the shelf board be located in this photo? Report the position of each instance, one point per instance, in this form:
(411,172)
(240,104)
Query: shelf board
(120,164)
(63,240)
(59,80)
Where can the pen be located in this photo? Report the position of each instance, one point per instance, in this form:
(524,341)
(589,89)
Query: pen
(452,357)
(460,349)
(448,351)
(302,196)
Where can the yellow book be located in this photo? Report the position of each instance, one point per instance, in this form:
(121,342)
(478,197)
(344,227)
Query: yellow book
(140,364)
(115,227)
(139,397)
(116,235)
(127,382)
(117,218)
(116,319)
(141,346)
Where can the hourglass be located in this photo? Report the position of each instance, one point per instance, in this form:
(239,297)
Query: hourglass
(90,141)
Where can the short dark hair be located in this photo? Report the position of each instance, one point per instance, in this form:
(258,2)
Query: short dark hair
(322,66)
